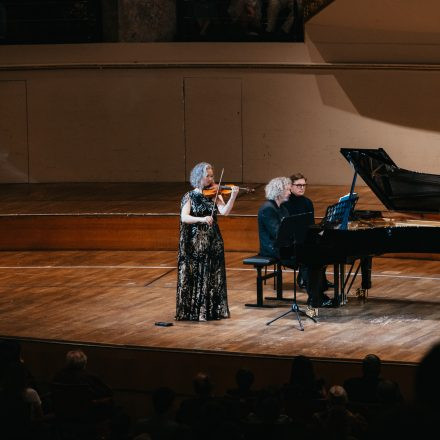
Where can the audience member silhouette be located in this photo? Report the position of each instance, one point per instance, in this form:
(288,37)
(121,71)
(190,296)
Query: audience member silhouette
(418,418)
(269,419)
(10,353)
(21,413)
(427,382)
(84,400)
(388,393)
(336,421)
(205,414)
(243,393)
(427,394)
(161,425)
(244,380)
(75,373)
(303,381)
(304,394)
(370,394)
(190,408)
(303,408)
(364,388)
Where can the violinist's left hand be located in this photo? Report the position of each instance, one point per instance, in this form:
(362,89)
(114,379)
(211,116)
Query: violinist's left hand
(225,209)
(234,192)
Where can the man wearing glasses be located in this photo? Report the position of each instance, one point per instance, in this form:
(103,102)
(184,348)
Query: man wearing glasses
(298,203)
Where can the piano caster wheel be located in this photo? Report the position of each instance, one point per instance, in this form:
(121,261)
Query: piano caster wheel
(362,294)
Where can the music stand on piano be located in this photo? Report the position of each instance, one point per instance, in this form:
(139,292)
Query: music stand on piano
(292,231)
(336,217)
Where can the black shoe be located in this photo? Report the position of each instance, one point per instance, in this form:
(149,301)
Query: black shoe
(326,302)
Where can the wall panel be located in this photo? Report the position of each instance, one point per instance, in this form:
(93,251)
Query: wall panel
(13,132)
(113,125)
(213,124)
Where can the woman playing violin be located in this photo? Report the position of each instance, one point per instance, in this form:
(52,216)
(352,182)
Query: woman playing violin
(201,276)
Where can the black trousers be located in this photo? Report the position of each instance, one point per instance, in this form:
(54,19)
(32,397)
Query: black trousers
(315,285)
(314,280)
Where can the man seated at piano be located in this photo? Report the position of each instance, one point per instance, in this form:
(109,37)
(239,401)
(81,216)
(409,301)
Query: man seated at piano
(270,216)
(298,203)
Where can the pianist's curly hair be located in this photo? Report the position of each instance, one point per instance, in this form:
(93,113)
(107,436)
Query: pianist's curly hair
(198,173)
(276,187)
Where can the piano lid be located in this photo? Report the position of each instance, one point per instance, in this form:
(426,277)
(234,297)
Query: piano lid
(398,189)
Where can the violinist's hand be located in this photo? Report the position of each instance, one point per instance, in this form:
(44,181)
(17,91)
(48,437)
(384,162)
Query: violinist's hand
(208,220)
(234,192)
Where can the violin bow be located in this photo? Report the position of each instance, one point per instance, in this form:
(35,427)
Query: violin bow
(216,194)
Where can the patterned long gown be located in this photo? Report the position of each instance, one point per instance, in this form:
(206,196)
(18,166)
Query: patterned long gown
(201,278)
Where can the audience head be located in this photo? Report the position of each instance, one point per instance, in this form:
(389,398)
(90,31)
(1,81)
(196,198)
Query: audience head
(302,371)
(427,383)
(388,392)
(337,396)
(371,366)
(244,378)
(163,399)
(278,189)
(76,360)
(202,384)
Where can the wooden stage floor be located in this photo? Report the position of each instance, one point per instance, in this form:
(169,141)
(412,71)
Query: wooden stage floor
(115,297)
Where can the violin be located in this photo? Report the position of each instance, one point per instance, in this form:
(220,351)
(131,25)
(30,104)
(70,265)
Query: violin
(211,191)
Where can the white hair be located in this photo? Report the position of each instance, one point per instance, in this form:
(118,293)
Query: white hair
(276,187)
(198,173)
(337,395)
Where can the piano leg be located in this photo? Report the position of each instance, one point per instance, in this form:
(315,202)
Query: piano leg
(340,293)
(343,295)
(337,297)
(365,265)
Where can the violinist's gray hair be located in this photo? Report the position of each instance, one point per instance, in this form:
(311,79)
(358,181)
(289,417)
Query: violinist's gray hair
(276,187)
(198,173)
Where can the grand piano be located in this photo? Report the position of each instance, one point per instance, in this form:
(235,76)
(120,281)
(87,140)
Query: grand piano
(412,224)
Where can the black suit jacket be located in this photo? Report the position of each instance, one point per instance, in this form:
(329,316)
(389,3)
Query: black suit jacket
(269,220)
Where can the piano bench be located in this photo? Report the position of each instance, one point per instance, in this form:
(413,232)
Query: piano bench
(259,262)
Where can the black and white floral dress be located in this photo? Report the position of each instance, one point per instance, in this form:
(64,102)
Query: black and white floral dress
(201,273)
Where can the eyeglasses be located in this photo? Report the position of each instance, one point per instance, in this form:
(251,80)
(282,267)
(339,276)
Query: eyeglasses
(300,185)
